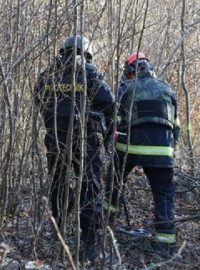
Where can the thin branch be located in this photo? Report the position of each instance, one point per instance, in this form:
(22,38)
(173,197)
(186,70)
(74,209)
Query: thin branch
(65,246)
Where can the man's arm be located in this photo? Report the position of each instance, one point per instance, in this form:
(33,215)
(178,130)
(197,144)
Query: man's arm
(102,101)
(176,128)
(38,91)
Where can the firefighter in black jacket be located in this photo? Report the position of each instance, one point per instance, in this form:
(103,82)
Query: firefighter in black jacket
(148,107)
(54,96)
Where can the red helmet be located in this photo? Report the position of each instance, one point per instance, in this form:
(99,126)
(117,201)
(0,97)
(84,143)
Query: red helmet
(136,63)
(135,56)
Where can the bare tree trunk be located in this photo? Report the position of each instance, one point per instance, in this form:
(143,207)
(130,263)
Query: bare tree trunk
(7,158)
(83,140)
(185,89)
(135,14)
(133,98)
(77,205)
(115,81)
(69,141)
(111,55)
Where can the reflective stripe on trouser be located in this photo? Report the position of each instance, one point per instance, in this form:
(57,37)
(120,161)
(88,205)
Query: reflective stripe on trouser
(119,119)
(146,150)
(168,238)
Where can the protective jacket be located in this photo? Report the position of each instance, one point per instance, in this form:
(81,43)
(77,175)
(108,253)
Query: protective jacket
(54,94)
(149,107)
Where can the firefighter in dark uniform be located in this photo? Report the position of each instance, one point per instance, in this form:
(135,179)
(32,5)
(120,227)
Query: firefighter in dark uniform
(148,106)
(54,96)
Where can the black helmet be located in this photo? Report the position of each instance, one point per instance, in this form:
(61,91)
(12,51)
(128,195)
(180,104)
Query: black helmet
(82,43)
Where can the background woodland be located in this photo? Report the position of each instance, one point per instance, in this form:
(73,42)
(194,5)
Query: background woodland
(32,31)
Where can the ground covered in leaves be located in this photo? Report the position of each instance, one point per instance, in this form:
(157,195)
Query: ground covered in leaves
(26,244)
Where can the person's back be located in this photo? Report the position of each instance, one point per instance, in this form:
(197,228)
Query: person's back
(148,132)
(153,101)
(151,119)
(54,94)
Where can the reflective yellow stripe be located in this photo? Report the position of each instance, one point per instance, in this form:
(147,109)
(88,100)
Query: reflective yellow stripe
(165,237)
(145,150)
(110,207)
(119,119)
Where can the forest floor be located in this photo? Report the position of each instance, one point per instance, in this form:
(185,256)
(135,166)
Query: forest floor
(24,247)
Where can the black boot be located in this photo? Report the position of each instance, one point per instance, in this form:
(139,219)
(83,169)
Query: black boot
(165,250)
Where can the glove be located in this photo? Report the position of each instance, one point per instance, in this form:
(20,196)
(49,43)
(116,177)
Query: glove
(116,136)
